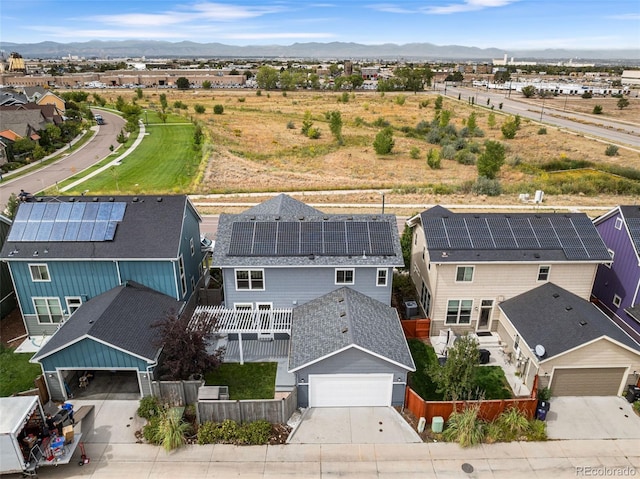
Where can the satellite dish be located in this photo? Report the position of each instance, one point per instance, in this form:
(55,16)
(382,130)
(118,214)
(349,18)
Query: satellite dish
(540,351)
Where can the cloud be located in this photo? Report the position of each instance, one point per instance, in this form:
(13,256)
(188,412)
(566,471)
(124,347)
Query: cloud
(466,6)
(390,8)
(269,36)
(97,33)
(625,16)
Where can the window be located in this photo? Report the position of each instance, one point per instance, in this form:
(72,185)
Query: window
(251,279)
(612,254)
(48,310)
(543,273)
(183,277)
(381,277)
(345,276)
(39,272)
(617,300)
(73,303)
(618,224)
(464,274)
(191,247)
(459,311)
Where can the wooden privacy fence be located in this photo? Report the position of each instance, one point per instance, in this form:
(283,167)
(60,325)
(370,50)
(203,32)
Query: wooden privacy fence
(176,393)
(275,411)
(489,409)
(416,328)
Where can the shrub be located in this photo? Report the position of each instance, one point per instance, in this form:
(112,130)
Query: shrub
(542,131)
(383,143)
(587,94)
(537,430)
(291,125)
(344,98)
(544,394)
(465,427)
(149,407)
(485,186)
(434,136)
(230,432)
(597,110)
(513,424)
(414,152)
(448,152)
(423,104)
(150,430)
(257,432)
(400,99)
(636,407)
(218,109)
(422,127)
(313,133)
(171,429)
(612,150)
(465,157)
(381,122)
(433,159)
(358,121)
(259,93)
(509,129)
(199,108)
(241,99)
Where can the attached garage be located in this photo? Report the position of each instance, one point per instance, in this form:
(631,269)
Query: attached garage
(340,390)
(587,381)
(348,350)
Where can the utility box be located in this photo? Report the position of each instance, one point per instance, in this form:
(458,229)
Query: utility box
(437,424)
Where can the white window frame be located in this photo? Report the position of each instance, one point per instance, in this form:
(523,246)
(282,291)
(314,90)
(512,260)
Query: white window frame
(612,254)
(39,277)
(617,300)
(344,271)
(385,277)
(50,314)
(250,280)
(183,275)
(191,247)
(73,303)
(465,268)
(618,224)
(546,275)
(457,321)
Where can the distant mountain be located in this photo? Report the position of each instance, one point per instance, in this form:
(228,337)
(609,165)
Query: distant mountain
(312,50)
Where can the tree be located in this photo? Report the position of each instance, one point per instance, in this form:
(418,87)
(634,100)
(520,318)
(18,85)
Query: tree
(438,103)
(206,85)
(622,103)
(163,101)
(491,160)
(433,159)
(335,125)
(456,378)
(509,128)
(12,206)
(184,349)
(383,143)
(198,108)
(121,138)
(454,77)
(597,110)
(413,79)
(139,93)
(501,77)
(307,123)
(528,91)
(182,83)
(218,109)
(267,78)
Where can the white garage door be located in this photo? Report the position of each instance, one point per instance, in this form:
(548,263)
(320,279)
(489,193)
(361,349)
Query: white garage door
(343,390)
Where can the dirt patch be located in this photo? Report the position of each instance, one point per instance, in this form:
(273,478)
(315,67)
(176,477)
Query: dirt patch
(12,329)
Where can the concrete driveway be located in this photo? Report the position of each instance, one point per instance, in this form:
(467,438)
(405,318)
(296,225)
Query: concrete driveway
(355,425)
(592,417)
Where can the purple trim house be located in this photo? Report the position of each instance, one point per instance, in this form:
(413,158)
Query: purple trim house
(617,284)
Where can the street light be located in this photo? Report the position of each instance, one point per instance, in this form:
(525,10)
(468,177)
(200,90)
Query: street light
(382,193)
(146,118)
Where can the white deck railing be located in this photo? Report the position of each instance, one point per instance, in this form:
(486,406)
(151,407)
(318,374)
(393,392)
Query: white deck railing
(222,320)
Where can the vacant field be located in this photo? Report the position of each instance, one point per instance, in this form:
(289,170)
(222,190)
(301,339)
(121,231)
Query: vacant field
(257,144)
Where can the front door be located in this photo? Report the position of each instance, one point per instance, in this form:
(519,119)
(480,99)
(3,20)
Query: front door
(484,319)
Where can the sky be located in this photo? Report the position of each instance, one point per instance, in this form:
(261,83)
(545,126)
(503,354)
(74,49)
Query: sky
(504,24)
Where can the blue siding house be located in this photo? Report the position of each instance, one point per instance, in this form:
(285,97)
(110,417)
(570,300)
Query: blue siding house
(64,251)
(617,284)
(7,296)
(283,253)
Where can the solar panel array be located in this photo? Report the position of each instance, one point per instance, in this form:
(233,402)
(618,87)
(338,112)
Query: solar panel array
(575,235)
(634,230)
(323,238)
(78,221)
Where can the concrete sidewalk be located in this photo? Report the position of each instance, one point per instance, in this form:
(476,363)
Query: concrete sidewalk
(556,459)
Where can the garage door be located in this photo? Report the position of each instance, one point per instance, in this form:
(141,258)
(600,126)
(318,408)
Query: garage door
(343,390)
(587,381)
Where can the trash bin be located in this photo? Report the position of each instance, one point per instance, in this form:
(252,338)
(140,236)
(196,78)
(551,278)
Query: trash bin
(633,393)
(437,424)
(542,410)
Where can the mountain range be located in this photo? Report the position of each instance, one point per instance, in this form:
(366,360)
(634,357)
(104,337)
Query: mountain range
(311,50)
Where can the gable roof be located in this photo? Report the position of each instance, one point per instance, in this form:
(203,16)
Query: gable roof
(560,321)
(342,319)
(497,237)
(150,229)
(630,215)
(285,232)
(123,318)
(22,121)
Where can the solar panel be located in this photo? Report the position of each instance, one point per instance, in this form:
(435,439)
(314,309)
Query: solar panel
(37,212)
(90,212)
(64,211)
(44,231)
(84,233)
(71,233)
(104,211)
(110,232)
(381,238)
(576,253)
(77,212)
(24,212)
(241,239)
(17,231)
(117,212)
(30,231)
(99,230)
(57,232)
(50,212)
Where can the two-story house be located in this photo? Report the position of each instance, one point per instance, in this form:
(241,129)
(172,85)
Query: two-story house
(617,284)
(63,251)
(464,264)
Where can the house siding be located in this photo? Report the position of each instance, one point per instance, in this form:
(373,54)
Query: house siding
(600,353)
(623,277)
(157,275)
(352,361)
(287,287)
(88,354)
(192,263)
(7,297)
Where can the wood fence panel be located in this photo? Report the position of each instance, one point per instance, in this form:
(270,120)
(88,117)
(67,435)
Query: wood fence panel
(416,328)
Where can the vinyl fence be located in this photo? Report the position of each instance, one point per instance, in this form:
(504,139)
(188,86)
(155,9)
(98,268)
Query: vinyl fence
(275,411)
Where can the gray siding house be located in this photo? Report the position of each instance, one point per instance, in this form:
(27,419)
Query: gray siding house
(348,349)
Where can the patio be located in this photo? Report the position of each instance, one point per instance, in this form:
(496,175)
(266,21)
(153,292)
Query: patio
(498,357)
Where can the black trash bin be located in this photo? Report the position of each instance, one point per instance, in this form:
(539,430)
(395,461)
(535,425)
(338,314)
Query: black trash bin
(633,393)
(542,410)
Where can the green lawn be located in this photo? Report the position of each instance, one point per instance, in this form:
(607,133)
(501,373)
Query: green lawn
(165,162)
(16,372)
(246,381)
(491,379)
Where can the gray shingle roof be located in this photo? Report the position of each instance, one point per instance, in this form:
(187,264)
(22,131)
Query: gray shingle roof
(122,317)
(150,229)
(345,318)
(284,209)
(485,237)
(559,320)
(631,216)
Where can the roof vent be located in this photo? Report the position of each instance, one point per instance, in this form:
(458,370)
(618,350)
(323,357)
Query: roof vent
(556,295)
(569,308)
(536,255)
(72,199)
(135,199)
(35,253)
(111,199)
(340,299)
(159,199)
(344,330)
(277,218)
(343,314)
(252,218)
(39,200)
(325,218)
(445,254)
(94,199)
(583,323)
(312,256)
(301,217)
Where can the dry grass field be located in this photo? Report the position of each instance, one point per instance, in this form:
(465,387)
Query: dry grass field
(257,144)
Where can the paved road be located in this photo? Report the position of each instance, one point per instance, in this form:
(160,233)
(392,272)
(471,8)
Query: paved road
(78,159)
